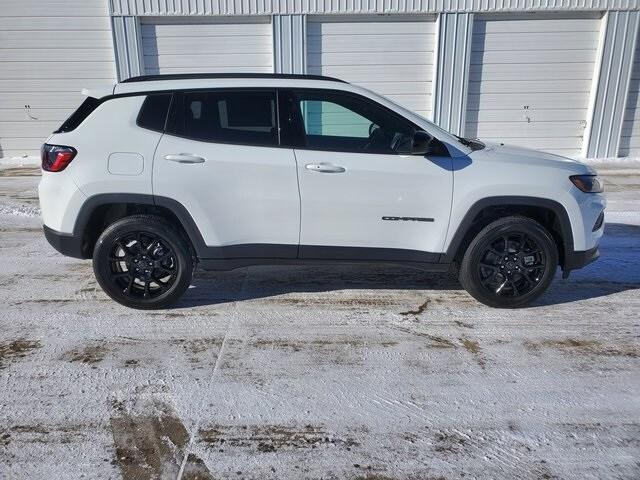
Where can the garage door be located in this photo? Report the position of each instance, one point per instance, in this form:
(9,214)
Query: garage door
(530,81)
(630,135)
(390,55)
(45,61)
(205,45)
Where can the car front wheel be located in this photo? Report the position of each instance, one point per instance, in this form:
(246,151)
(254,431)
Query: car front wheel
(509,263)
(142,262)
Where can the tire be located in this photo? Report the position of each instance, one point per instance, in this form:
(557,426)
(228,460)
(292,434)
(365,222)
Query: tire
(509,273)
(143,262)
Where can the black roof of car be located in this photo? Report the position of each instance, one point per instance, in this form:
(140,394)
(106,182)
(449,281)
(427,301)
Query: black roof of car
(191,76)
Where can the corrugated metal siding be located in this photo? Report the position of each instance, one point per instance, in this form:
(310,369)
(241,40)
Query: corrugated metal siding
(207,45)
(530,81)
(630,135)
(454,56)
(390,55)
(46,61)
(261,7)
(611,84)
(290,43)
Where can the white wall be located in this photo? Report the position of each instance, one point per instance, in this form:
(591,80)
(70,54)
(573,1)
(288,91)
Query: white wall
(49,51)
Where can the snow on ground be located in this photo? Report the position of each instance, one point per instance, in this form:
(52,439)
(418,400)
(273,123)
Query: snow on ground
(317,372)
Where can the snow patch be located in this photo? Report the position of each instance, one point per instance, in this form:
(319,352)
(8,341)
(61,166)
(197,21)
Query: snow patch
(20,161)
(20,210)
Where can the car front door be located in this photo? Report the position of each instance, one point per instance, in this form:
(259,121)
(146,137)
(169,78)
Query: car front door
(362,198)
(220,158)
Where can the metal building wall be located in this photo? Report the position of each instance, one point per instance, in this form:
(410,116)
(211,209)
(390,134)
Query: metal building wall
(275,7)
(49,51)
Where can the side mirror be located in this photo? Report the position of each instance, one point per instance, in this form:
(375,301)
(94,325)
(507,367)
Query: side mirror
(421,143)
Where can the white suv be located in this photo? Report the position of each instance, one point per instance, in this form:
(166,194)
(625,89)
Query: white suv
(159,174)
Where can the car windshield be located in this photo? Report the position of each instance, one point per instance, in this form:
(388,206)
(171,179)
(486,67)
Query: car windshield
(432,128)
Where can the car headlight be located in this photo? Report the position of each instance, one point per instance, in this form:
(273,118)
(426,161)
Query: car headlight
(588,183)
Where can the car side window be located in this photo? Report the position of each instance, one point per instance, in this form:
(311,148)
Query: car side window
(240,117)
(337,121)
(153,112)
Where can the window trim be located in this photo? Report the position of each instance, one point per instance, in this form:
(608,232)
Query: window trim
(300,132)
(166,115)
(173,112)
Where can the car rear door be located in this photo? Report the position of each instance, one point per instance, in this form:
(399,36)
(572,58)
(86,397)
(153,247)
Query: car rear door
(220,158)
(361,199)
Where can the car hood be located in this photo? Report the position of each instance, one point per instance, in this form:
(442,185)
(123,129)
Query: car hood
(500,152)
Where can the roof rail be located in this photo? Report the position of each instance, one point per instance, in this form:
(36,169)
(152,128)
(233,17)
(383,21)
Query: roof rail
(191,76)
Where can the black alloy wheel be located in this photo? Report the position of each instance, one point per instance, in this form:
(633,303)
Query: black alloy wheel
(512,265)
(509,263)
(142,261)
(142,265)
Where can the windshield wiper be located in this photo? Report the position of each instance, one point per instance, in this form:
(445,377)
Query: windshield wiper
(472,144)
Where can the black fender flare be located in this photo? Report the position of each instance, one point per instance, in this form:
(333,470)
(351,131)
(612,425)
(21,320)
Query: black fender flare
(557,208)
(184,217)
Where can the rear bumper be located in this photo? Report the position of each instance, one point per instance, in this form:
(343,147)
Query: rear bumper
(66,243)
(579,259)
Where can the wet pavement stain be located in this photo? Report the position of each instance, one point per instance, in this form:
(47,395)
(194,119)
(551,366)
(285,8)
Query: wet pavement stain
(90,354)
(298,346)
(584,347)
(436,340)
(154,446)
(272,438)
(417,311)
(14,350)
(449,442)
(463,324)
(473,347)
(56,434)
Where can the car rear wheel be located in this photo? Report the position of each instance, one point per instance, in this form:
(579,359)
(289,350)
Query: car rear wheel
(510,263)
(142,262)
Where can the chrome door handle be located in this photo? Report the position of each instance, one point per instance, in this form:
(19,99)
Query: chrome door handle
(324,168)
(183,158)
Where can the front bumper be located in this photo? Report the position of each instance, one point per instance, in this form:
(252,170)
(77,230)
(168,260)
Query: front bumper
(66,243)
(576,260)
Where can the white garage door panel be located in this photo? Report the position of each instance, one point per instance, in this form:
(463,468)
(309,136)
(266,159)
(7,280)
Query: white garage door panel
(370,43)
(232,60)
(20,115)
(205,45)
(34,84)
(361,74)
(48,55)
(536,101)
(521,24)
(630,135)
(93,70)
(539,41)
(23,129)
(548,72)
(531,79)
(392,55)
(532,57)
(361,58)
(43,100)
(534,86)
(196,46)
(19,146)
(58,38)
(49,51)
(546,115)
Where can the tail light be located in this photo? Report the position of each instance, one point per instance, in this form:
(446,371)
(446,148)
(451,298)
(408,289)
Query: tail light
(55,158)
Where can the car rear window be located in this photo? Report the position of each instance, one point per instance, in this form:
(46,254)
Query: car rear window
(77,117)
(240,117)
(153,113)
